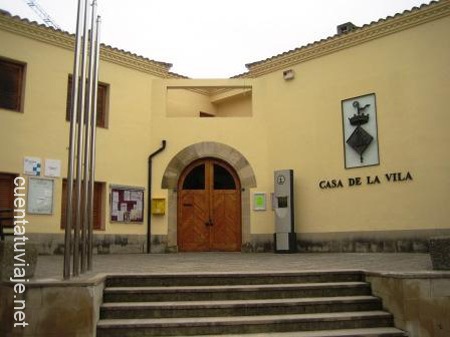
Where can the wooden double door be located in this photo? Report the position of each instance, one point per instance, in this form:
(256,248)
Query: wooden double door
(209,208)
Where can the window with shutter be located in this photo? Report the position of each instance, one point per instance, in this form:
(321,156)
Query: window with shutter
(102,100)
(98,209)
(11,85)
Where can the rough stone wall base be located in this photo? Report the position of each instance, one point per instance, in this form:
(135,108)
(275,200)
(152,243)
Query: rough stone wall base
(53,244)
(416,241)
(346,242)
(22,256)
(440,252)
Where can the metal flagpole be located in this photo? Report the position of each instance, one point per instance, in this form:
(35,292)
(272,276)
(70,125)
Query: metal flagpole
(81,119)
(70,164)
(87,140)
(93,142)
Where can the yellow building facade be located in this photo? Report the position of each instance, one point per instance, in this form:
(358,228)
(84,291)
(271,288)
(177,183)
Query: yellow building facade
(228,136)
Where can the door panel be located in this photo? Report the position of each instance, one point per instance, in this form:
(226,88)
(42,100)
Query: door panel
(194,210)
(209,208)
(226,234)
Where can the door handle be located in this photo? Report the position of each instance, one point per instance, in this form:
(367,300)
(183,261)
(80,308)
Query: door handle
(209,223)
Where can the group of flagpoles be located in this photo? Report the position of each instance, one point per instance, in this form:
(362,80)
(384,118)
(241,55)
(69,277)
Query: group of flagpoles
(78,239)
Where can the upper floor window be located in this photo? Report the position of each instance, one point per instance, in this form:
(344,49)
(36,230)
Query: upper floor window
(12,79)
(102,103)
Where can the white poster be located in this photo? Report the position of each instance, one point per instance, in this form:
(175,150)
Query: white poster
(40,196)
(52,168)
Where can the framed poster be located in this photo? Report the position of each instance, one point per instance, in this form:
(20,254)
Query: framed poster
(40,196)
(127,204)
(259,201)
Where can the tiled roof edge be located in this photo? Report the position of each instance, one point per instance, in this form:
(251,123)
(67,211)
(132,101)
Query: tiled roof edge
(367,32)
(63,39)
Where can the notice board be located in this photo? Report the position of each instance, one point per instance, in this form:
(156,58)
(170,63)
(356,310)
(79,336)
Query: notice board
(40,196)
(127,204)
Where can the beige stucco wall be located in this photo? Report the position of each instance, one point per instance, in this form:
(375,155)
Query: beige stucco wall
(239,106)
(42,131)
(407,73)
(293,124)
(183,102)
(182,132)
(297,124)
(190,101)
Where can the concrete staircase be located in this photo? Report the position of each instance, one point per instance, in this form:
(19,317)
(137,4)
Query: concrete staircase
(308,304)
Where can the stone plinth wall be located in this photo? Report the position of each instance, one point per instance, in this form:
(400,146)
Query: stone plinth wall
(407,241)
(69,309)
(419,241)
(21,256)
(419,302)
(53,244)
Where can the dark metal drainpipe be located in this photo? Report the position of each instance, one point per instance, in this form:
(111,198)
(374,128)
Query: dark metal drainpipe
(149,202)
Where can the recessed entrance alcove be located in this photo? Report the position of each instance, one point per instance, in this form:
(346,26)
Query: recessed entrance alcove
(197,151)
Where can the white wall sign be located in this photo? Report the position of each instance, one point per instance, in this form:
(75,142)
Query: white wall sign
(359,120)
(52,168)
(32,166)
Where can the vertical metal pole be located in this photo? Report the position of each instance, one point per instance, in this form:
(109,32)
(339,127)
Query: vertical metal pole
(70,164)
(87,140)
(81,120)
(93,143)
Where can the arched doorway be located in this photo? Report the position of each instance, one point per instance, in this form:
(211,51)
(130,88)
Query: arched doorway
(209,207)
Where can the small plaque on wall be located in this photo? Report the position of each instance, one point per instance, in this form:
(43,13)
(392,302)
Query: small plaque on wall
(359,120)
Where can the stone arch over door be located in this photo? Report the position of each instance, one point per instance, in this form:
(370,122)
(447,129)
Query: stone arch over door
(204,150)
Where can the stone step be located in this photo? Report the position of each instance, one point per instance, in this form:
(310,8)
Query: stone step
(241,324)
(204,279)
(370,332)
(238,307)
(234,292)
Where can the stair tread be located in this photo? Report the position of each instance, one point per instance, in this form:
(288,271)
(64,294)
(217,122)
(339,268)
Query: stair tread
(238,307)
(239,274)
(250,287)
(236,320)
(366,332)
(236,303)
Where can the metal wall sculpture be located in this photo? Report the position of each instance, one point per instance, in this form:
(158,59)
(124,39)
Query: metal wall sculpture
(360,130)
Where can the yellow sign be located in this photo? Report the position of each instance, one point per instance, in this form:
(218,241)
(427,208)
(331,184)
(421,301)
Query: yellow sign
(158,206)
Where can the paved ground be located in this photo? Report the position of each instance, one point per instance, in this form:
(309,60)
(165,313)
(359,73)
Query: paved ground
(51,267)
